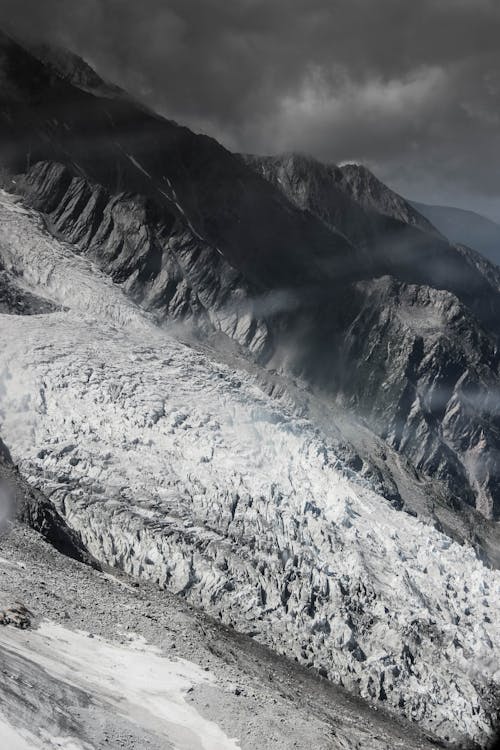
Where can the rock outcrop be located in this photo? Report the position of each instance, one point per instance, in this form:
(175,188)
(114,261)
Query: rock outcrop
(30,506)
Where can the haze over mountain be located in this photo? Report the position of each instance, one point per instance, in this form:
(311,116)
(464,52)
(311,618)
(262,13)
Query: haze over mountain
(465,227)
(267,384)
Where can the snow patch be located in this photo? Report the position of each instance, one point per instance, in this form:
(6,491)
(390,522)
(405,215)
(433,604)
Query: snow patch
(138,166)
(133,678)
(17,739)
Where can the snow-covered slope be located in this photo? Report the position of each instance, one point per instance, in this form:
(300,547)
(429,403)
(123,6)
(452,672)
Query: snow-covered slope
(179,469)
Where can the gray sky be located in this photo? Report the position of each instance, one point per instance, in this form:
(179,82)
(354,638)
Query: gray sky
(411,88)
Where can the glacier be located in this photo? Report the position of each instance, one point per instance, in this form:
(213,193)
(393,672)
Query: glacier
(174,466)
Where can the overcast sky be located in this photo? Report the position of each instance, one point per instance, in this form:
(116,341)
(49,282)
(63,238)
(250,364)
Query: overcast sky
(411,88)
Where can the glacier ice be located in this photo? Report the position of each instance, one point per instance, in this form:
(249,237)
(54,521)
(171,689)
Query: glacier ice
(178,468)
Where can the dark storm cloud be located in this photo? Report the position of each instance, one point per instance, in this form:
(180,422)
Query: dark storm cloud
(412,88)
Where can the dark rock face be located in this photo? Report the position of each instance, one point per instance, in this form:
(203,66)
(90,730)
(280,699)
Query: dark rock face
(124,148)
(72,68)
(387,234)
(31,507)
(160,261)
(15,300)
(434,398)
(321,190)
(371,193)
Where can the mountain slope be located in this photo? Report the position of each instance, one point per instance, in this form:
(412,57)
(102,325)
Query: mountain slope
(72,68)
(416,398)
(177,468)
(465,228)
(332,367)
(125,148)
(370,192)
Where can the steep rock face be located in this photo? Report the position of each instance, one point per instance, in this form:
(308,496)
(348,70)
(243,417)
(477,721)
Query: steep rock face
(74,69)
(371,193)
(427,377)
(320,189)
(399,351)
(390,237)
(159,260)
(123,147)
(489,269)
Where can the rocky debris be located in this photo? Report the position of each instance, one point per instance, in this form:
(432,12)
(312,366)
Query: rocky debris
(18,615)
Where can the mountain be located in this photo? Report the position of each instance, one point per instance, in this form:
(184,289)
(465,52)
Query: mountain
(370,192)
(264,385)
(195,234)
(430,365)
(74,69)
(465,227)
